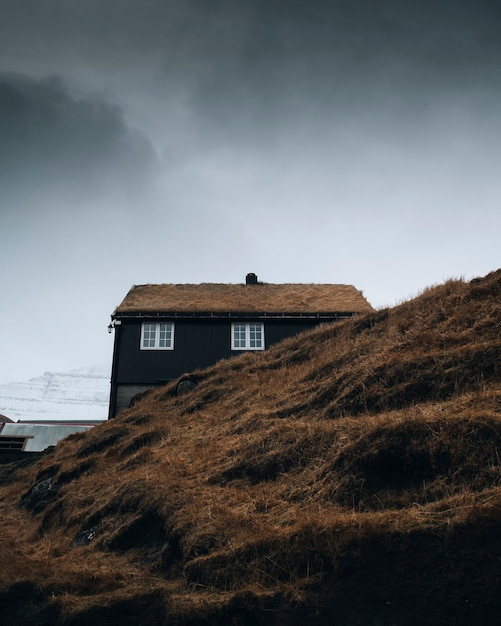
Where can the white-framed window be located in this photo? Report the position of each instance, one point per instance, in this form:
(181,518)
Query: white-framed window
(247,336)
(157,336)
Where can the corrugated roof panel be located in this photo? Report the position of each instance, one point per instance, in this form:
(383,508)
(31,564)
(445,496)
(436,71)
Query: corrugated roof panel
(40,436)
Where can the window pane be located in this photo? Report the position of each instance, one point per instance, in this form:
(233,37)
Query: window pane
(239,335)
(165,338)
(149,332)
(256,335)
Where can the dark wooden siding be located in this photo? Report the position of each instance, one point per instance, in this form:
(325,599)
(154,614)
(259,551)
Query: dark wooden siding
(197,344)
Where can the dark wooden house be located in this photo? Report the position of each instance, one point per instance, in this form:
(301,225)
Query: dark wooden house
(165,331)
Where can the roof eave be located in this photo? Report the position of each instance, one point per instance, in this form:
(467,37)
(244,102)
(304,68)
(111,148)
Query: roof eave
(236,314)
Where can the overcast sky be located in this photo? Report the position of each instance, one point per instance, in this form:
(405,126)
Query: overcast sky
(327,141)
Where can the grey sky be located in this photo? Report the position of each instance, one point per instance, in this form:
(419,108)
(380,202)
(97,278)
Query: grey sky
(187,141)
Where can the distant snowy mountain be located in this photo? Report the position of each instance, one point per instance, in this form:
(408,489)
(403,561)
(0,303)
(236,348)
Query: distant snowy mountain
(80,394)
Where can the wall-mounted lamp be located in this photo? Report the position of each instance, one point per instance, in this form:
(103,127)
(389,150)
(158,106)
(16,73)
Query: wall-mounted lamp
(114,323)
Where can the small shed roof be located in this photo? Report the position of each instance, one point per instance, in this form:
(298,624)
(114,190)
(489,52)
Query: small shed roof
(243,298)
(39,436)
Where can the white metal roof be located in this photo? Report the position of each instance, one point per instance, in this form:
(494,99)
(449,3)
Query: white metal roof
(40,436)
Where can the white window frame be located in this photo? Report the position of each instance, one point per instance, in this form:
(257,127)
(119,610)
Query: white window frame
(246,329)
(151,333)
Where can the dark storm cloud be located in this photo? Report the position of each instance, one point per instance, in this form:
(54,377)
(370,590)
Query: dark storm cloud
(253,54)
(251,71)
(329,64)
(52,140)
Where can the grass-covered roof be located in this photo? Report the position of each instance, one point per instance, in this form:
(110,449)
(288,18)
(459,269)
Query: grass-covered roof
(235,298)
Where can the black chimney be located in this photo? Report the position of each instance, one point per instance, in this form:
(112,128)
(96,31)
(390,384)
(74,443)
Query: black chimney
(251,279)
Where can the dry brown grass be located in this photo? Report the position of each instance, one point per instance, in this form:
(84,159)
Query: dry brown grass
(349,474)
(262,298)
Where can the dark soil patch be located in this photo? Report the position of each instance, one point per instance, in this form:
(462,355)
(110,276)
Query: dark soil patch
(24,603)
(138,420)
(12,462)
(146,531)
(141,441)
(99,441)
(78,470)
(148,609)
(415,579)
(417,462)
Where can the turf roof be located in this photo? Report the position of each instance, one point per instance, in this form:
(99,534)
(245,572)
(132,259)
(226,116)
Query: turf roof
(239,298)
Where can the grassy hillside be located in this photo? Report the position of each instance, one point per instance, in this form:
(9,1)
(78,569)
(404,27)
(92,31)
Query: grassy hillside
(350,475)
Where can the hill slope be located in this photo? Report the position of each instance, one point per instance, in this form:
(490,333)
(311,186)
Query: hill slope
(349,475)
